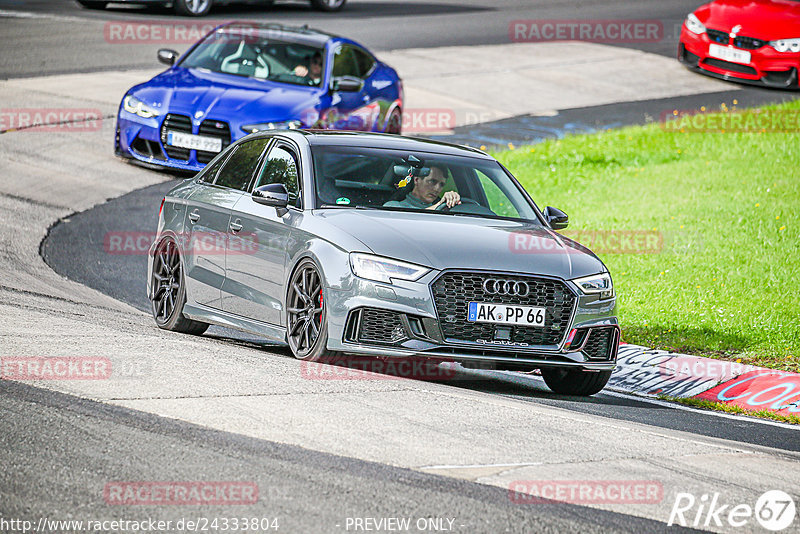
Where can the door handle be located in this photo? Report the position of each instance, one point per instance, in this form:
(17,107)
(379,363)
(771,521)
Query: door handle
(236,226)
(194,216)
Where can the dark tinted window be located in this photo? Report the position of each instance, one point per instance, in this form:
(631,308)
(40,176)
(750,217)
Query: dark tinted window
(364,62)
(344,62)
(281,168)
(210,172)
(240,166)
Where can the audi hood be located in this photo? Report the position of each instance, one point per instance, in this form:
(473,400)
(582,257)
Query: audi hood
(443,241)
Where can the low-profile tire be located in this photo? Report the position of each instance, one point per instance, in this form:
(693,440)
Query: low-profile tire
(575,381)
(91,4)
(192,8)
(306,316)
(328,5)
(169,291)
(394,125)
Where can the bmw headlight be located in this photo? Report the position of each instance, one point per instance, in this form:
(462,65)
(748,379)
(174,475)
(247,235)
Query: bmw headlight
(280,125)
(597,284)
(383,269)
(693,24)
(131,104)
(786,45)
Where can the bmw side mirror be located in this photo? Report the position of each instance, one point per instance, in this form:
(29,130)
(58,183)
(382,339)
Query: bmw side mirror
(274,195)
(347,84)
(557,219)
(167,56)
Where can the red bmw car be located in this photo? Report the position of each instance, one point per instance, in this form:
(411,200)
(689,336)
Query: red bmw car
(750,41)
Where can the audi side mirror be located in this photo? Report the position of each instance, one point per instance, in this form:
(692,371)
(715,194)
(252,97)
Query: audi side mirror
(346,84)
(557,219)
(274,195)
(167,56)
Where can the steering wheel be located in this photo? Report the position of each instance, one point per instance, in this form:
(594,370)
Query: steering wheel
(445,208)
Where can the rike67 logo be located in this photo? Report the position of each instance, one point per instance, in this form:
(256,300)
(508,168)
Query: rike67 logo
(774,510)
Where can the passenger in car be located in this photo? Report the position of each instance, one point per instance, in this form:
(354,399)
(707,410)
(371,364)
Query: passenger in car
(426,190)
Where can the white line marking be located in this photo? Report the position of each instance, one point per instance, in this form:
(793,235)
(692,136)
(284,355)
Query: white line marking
(478,466)
(28,15)
(678,406)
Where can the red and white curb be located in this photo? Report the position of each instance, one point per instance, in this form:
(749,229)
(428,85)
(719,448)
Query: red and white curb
(657,372)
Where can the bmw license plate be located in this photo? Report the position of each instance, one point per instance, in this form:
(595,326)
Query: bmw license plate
(196,142)
(488,312)
(729,54)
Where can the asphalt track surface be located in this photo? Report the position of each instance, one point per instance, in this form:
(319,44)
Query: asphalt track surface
(76,248)
(59,450)
(63,37)
(306,491)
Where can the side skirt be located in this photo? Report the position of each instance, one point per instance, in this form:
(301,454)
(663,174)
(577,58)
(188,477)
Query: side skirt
(205,314)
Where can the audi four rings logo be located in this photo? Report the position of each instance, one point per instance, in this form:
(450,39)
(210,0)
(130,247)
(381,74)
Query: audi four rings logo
(510,288)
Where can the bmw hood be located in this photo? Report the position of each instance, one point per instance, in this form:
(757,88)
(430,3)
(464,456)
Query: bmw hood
(204,94)
(455,241)
(763,19)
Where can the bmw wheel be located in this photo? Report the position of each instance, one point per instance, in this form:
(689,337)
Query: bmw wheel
(169,291)
(395,123)
(575,381)
(193,8)
(306,321)
(328,5)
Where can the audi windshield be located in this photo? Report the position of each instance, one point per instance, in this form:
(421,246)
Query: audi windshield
(388,179)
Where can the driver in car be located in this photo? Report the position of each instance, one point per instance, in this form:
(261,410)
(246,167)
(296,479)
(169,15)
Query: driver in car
(314,70)
(426,191)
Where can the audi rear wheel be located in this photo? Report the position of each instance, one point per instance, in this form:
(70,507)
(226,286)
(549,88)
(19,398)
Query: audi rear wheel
(575,381)
(169,291)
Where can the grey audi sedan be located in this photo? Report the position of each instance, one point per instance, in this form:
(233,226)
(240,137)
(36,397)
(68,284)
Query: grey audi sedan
(345,244)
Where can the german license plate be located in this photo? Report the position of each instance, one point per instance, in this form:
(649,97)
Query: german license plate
(489,312)
(196,142)
(729,54)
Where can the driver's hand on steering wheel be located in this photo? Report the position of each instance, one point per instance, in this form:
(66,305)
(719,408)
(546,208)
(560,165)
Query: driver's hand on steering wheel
(451,198)
(301,70)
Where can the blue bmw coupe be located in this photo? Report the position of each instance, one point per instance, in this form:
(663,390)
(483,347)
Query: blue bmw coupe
(243,78)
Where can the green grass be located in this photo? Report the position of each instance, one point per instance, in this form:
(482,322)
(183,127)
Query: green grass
(732,408)
(725,283)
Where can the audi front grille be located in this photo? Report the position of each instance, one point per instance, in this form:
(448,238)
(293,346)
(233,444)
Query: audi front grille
(453,291)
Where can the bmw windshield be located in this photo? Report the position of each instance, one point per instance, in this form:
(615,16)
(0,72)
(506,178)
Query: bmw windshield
(257,55)
(388,179)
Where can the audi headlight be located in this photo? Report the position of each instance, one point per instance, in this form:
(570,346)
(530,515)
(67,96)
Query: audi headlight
(693,24)
(597,284)
(383,269)
(786,45)
(280,125)
(131,104)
